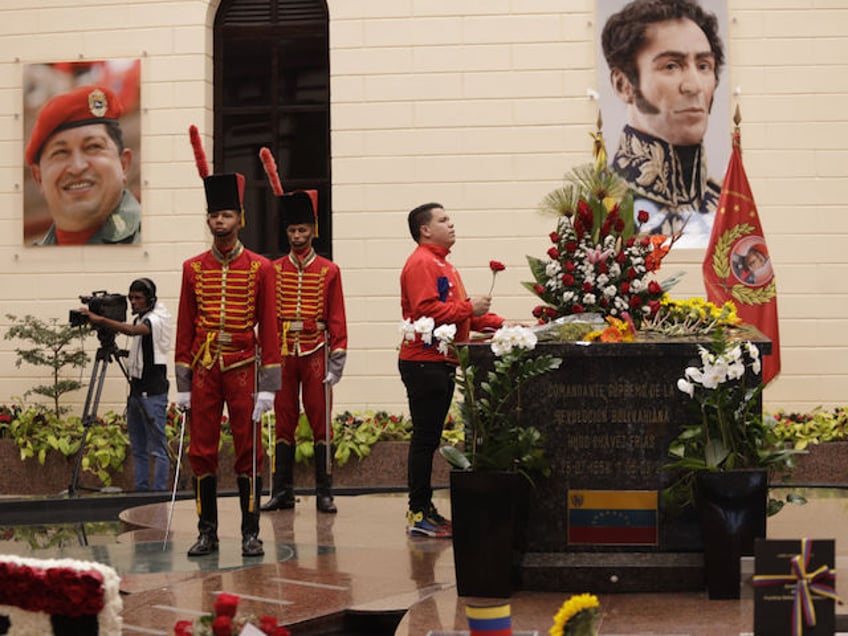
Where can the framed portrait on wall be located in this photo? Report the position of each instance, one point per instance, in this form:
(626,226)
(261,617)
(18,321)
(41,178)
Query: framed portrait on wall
(82,153)
(665,103)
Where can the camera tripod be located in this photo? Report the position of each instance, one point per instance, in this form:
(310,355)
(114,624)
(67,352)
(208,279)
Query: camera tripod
(106,353)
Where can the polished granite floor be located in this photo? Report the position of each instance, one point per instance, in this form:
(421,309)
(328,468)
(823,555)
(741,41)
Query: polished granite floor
(360,563)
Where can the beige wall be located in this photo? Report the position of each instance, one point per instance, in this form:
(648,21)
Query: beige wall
(479,104)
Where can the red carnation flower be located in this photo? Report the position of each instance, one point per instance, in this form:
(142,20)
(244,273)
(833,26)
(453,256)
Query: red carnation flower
(495,266)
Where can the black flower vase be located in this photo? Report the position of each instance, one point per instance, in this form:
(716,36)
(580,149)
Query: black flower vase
(732,507)
(488,511)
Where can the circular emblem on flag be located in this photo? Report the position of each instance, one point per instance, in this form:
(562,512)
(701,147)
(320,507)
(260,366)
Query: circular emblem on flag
(97,103)
(750,262)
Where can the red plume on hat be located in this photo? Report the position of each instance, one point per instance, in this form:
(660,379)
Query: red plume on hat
(199,154)
(271,170)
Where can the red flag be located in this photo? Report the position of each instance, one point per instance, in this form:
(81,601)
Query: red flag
(737,265)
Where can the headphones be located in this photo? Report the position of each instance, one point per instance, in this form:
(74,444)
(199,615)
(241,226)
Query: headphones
(147,287)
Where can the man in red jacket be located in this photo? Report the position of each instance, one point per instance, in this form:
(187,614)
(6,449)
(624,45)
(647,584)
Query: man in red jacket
(227,294)
(430,286)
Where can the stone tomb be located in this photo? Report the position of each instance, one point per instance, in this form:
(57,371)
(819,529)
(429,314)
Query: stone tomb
(608,415)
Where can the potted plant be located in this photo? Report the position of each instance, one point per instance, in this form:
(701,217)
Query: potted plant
(724,456)
(499,458)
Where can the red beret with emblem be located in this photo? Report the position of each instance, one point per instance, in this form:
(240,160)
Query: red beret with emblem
(79,107)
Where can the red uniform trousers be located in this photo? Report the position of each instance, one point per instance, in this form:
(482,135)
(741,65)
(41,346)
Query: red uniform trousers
(210,389)
(302,375)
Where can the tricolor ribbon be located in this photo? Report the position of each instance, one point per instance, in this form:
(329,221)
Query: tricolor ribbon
(818,582)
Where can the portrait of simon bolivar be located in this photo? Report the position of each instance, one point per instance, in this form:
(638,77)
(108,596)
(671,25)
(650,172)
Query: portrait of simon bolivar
(664,100)
(82,152)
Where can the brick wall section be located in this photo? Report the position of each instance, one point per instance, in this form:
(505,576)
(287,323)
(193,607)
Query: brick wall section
(479,104)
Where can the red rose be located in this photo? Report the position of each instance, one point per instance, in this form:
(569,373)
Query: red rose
(551,312)
(182,628)
(268,624)
(631,274)
(570,266)
(539,289)
(654,306)
(645,241)
(654,288)
(619,225)
(571,247)
(567,280)
(630,241)
(222,626)
(603,268)
(554,237)
(635,302)
(553,253)
(226,604)
(577,308)
(538,310)
(496,266)
(604,302)
(587,286)
(624,287)
(642,216)
(620,258)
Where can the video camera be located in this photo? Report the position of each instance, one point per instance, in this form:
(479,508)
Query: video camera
(112,306)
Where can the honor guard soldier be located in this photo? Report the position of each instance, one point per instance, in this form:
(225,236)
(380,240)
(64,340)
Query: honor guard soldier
(313,343)
(227,296)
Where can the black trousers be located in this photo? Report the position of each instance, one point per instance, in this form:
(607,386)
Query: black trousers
(429,389)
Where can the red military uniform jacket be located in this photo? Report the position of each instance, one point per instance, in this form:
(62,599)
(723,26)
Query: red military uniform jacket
(430,287)
(309,301)
(223,299)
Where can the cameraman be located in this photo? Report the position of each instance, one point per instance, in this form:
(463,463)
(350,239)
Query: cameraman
(146,406)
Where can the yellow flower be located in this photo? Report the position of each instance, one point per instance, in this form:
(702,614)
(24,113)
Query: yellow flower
(576,615)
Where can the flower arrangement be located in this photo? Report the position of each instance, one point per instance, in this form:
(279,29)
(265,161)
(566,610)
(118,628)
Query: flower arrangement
(35,589)
(578,616)
(691,317)
(598,263)
(224,621)
(728,430)
(491,403)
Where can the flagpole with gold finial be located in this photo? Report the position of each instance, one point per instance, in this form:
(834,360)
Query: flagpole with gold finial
(599,150)
(737,134)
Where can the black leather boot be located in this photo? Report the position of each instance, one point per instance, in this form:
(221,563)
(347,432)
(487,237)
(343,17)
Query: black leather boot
(282,490)
(323,481)
(206,494)
(251,545)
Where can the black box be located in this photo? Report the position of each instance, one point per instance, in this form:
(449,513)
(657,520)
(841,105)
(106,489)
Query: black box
(773,603)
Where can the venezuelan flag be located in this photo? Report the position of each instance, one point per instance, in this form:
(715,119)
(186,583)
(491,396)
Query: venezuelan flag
(489,621)
(612,517)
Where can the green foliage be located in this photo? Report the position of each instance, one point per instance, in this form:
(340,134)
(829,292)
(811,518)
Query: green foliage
(491,408)
(37,430)
(802,429)
(50,348)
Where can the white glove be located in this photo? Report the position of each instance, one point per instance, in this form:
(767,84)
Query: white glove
(331,379)
(184,400)
(264,403)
